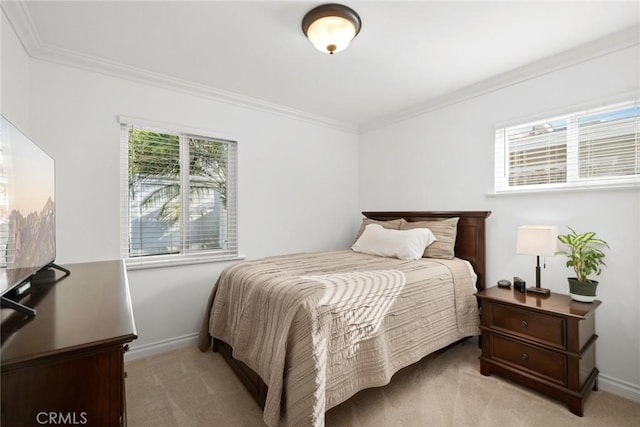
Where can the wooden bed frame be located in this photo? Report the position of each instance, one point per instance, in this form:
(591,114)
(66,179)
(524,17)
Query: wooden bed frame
(470,245)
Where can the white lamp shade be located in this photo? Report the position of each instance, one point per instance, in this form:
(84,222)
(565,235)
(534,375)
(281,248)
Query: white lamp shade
(331,33)
(537,240)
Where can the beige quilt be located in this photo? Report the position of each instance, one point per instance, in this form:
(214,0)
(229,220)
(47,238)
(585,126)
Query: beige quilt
(319,327)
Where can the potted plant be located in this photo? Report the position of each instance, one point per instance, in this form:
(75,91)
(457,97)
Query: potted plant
(585,256)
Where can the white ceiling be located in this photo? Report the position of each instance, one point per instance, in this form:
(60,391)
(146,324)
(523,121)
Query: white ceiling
(406,54)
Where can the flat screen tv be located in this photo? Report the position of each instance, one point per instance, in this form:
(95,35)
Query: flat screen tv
(27,214)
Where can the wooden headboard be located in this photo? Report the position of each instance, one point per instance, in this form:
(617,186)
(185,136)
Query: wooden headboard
(470,239)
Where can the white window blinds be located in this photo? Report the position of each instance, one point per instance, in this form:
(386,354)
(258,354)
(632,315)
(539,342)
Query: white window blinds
(597,147)
(179,195)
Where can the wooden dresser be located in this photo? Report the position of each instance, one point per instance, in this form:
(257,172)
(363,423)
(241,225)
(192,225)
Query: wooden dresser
(65,365)
(546,343)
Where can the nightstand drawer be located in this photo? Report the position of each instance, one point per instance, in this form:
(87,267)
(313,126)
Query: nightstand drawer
(545,329)
(541,362)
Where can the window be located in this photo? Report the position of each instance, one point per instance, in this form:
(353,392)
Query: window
(178,196)
(593,148)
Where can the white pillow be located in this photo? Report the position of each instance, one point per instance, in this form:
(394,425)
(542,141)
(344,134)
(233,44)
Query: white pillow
(402,244)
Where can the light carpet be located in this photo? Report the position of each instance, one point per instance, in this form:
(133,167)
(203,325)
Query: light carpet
(188,388)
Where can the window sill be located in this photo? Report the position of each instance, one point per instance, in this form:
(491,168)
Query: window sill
(616,187)
(177,260)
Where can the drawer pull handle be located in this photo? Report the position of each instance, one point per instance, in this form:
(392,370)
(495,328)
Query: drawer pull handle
(524,324)
(524,356)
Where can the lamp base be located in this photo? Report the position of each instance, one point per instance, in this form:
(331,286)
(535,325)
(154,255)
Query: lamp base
(539,291)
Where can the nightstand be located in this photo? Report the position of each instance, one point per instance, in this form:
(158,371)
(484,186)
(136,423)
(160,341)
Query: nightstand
(547,343)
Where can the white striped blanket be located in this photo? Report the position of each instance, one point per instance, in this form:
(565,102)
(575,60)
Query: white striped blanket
(319,327)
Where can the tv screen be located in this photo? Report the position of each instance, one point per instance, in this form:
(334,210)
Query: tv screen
(27,208)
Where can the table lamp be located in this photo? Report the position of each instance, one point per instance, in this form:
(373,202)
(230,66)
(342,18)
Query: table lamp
(538,240)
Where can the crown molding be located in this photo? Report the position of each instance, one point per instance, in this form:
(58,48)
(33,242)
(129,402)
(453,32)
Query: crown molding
(20,19)
(623,39)
(114,69)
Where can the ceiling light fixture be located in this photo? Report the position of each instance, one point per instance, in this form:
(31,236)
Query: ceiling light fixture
(331,27)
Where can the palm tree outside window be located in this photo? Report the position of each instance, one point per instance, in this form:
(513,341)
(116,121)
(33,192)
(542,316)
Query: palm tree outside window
(180,194)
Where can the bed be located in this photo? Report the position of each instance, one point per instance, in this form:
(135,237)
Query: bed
(304,332)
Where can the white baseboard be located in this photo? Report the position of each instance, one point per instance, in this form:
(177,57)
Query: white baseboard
(146,350)
(619,387)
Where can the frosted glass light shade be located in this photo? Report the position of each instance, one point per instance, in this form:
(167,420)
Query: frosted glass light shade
(331,27)
(331,34)
(537,240)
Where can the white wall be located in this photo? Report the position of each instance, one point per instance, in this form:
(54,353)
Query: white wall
(297,184)
(14,77)
(443,160)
